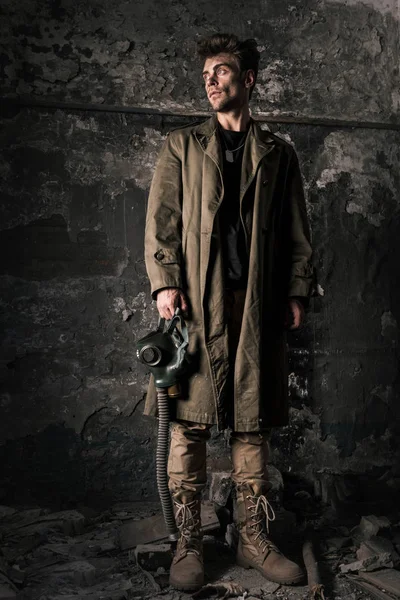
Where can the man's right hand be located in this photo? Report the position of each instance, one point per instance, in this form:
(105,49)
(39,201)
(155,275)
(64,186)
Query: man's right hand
(168,300)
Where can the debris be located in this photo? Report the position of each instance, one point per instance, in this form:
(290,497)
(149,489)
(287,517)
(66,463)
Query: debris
(317,592)
(153,556)
(377,545)
(6,593)
(23,546)
(367,587)
(220,488)
(107,546)
(162,577)
(70,522)
(255,592)
(259,592)
(6,578)
(269,587)
(153,529)
(220,495)
(232,536)
(103,564)
(370,526)
(386,579)
(16,574)
(276,485)
(6,511)
(79,572)
(337,489)
(224,589)
(313,577)
(335,544)
(55,566)
(368,564)
(156,587)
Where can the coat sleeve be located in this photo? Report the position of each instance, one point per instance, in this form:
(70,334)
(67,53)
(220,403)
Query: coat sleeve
(301,282)
(163,233)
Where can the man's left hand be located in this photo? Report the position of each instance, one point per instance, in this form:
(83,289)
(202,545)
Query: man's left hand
(295,314)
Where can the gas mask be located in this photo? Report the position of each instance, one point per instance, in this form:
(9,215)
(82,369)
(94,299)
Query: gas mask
(164,351)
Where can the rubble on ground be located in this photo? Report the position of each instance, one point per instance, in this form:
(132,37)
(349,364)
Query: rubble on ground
(87,554)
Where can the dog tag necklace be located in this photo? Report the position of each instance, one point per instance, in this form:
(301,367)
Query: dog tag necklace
(229,153)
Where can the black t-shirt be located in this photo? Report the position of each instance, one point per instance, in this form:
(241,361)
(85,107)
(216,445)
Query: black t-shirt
(235,255)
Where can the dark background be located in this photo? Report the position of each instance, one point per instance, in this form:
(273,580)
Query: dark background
(91,90)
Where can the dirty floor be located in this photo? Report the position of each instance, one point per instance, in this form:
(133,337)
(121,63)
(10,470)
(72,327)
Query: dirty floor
(76,555)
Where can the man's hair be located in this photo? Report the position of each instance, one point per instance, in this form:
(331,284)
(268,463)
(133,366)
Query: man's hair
(245,52)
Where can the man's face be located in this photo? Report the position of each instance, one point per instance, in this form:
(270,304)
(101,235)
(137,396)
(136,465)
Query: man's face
(224,82)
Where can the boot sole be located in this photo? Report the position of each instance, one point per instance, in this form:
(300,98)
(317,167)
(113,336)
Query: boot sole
(185,587)
(242,562)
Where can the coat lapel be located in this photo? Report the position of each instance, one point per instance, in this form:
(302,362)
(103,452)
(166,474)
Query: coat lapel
(212,190)
(258,144)
(206,135)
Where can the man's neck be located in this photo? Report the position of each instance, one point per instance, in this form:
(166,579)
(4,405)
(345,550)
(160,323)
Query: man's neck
(235,120)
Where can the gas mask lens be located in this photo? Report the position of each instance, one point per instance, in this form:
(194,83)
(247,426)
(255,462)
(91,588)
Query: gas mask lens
(150,355)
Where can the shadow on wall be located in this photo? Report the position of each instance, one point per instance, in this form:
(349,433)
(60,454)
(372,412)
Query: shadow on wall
(42,250)
(48,464)
(60,469)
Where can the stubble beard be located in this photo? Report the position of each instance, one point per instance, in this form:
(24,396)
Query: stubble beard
(225,103)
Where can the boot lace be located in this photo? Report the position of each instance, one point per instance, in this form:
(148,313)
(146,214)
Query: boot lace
(188,522)
(263,513)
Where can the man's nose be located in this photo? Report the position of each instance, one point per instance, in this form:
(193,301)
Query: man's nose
(210,79)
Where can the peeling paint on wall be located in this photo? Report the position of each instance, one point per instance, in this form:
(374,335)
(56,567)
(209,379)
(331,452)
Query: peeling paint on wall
(384,6)
(78,298)
(75,295)
(357,155)
(318,59)
(390,329)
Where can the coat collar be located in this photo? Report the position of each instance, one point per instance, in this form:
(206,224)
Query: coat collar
(208,129)
(258,143)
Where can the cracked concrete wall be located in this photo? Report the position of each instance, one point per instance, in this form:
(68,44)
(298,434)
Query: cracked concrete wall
(75,296)
(74,292)
(320,58)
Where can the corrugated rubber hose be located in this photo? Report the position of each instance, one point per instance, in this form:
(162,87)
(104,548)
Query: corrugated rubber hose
(161,464)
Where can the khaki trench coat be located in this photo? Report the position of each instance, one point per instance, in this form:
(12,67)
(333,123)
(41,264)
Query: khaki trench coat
(183,249)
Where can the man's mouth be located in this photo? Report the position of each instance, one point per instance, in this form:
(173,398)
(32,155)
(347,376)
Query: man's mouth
(213,94)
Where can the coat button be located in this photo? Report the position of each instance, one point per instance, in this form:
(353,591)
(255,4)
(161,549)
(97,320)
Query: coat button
(265,182)
(160,255)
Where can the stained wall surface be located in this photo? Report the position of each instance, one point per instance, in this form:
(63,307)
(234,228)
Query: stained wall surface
(74,292)
(320,58)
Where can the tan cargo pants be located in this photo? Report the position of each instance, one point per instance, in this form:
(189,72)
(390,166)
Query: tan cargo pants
(188,449)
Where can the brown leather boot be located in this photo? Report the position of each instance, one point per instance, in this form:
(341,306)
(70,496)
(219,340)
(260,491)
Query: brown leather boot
(187,571)
(255,549)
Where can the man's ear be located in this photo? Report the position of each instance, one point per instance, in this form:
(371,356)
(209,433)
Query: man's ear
(249,78)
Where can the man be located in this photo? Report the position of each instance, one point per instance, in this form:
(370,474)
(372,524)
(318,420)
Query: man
(227,241)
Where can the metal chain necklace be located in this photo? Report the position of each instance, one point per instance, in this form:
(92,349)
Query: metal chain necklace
(229,153)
